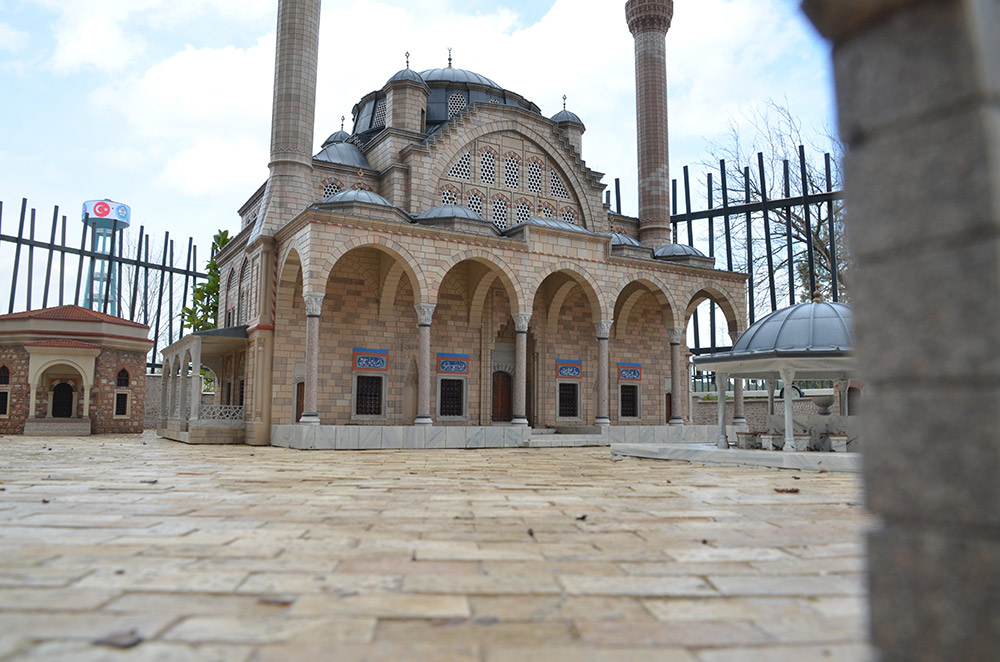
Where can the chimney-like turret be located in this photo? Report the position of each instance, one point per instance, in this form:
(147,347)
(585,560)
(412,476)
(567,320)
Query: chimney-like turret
(648,21)
(289,184)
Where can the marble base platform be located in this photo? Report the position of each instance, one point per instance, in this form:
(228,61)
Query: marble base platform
(709,454)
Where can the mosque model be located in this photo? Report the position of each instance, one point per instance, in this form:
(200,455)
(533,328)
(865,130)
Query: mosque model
(447,273)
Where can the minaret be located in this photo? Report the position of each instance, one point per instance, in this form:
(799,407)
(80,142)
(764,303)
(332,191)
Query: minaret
(289,183)
(648,21)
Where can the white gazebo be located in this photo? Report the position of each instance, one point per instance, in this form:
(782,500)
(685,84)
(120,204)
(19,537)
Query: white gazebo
(804,341)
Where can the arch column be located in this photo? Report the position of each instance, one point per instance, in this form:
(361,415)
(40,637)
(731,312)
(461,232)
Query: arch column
(739,418)
(310,403)
(86,400)
(720,385)
(425,314)
(195,381)
(843,385)
(185,384)
(676,377)
(164,385)
(603,329)
(772,384)
(787,376)
(519,398)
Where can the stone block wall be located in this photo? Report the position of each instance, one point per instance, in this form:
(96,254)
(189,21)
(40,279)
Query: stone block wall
(102,396)
(16,360)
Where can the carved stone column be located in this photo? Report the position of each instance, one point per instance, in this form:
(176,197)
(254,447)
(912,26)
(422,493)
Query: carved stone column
(787,376)
(843,385)
(519,398)
(195,383)
(677,373)
(603,329)
(772,384)
(739,418)
(310,404)
(425,313)
(86,400)
(720,385)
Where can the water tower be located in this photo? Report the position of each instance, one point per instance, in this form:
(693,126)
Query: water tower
(105,219)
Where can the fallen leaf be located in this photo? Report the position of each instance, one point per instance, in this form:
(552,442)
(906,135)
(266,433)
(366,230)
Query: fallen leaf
(786,490)
(126,639)
(152,481)
(582,518)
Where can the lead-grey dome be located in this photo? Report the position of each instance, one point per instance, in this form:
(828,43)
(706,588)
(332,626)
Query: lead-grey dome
(359,195)
(343,153)
(451,211)
(667,251)
(620,239)
(805,329)
(452,75)
(336,137)
(407,74)
(555,223)
(566,116)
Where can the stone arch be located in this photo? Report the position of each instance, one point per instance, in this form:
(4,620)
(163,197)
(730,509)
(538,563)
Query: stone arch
(243,296)
(315,283)
(507,275)
(548,144)
(86,376)
(589,284)
(649,284)
(722,299)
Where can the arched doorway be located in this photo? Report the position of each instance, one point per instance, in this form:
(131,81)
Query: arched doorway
(62,400)
(502,397)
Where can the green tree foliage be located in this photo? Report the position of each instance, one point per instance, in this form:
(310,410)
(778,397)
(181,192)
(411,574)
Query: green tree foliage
(204,313)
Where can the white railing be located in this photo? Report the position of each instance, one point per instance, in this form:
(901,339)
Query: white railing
(221,412)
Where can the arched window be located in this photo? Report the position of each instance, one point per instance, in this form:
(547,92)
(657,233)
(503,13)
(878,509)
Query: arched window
(456,104)
(476,202)
(488,166)
(331,187)
(463,167)
(523,211)
(379,120)
(501,207)
(123,378)
(556,186)
(4,375)
(4,391)
(534,176)
(450,196)
(512,171)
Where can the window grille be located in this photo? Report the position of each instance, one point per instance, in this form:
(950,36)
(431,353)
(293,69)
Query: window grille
(379,121)
(121,404)
(452,398)
(629,400)
(523,211)
(548,211)
(463,167)
(511,172)
(500,212)
(556,185)
(4,402)
(488,167)
(476,203)
(242,391)
(330,188)
(4,375)
(449,196)
(368,396)
(456,104)
(535,177)
(569,402)
(568,216)
(122,378)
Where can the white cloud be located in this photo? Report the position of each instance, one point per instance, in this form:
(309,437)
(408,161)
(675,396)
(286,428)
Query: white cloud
(12,40)
(217,166)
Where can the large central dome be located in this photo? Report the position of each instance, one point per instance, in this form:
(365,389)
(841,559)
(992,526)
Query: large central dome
(451,75)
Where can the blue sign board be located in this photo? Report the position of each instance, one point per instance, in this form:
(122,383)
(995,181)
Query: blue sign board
(630,372)
(371,359)
(567,369)
(453,364)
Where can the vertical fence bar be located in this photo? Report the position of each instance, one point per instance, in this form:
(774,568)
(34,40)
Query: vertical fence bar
(767,232)
(135,275)
(194,270)
(119,310)
(159,303)
(62,262)
(749,220)
(17,253)
(690,238)
(145,287)
(725,216)
(48,265)
(674,206)
(808,220)
(170,298)
(111,266)
(187,269)
(834,288)
(31,260)
(79,265)
(711,254)
(788,237)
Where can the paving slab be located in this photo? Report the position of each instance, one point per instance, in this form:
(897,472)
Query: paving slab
(242,554)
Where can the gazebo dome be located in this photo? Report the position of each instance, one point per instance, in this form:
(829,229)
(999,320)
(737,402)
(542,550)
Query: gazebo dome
(805,329)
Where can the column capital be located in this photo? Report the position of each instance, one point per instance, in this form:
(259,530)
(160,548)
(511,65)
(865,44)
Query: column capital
(649,15)
(603,329)
(314,304)
(521,321)
(677,336)
(425,313)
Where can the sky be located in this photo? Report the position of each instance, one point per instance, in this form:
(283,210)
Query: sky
(165,105)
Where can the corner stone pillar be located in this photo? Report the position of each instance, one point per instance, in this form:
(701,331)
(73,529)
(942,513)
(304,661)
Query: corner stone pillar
(86,400)
(196,383)
(918,87)
(519,396)
(603,329)
(648,21)
(676,377)
(310,404)
(721,379)
(739,417)
(425,313)
(787,377)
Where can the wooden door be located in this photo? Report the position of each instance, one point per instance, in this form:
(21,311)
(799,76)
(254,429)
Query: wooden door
(62,401)
(300,396)
(501,397)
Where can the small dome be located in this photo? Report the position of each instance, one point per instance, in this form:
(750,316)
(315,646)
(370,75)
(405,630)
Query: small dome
(451,75)
(805,328)
(566,116)
(451,211)
(555,223)
(337,137)
(343,153)
(406,74)
(359,195)
(667,251)
(620,239)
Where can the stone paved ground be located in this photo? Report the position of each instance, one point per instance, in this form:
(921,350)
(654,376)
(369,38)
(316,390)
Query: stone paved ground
(235,553)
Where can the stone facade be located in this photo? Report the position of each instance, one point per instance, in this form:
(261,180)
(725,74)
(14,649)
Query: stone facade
(519,292)
(15,359)
(109,364)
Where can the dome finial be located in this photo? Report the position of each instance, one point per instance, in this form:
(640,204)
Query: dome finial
(342,118)
(817,297)
(449,57)
(361,175)
(407,59)
(564,102)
